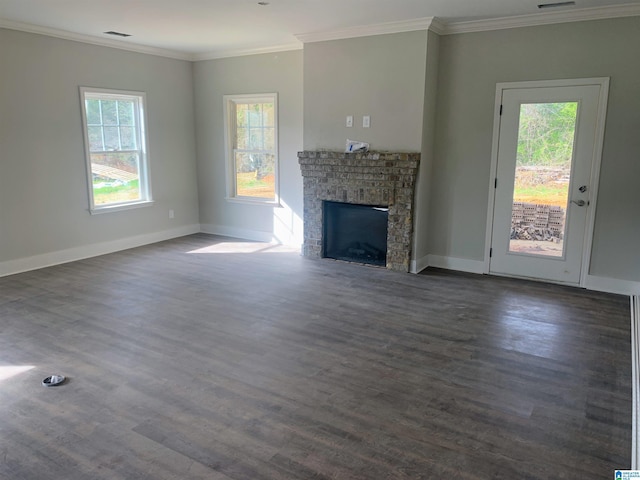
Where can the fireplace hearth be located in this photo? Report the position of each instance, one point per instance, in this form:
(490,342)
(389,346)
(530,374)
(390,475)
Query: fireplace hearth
(382,179)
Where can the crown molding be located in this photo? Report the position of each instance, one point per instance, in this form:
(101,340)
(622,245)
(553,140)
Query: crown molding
(434,24)
(547,18)
(196,57)
(438,26)
(104,42)
(134,47)
(367,30)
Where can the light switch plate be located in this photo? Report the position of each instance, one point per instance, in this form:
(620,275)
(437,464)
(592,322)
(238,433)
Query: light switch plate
(349,120)
(366,121)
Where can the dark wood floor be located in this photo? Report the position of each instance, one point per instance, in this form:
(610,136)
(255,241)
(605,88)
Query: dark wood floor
(188,361)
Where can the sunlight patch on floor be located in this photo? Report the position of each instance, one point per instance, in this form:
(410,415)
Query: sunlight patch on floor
(8,371)
(245,247)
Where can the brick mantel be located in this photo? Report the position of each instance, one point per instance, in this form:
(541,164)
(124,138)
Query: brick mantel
(373,178)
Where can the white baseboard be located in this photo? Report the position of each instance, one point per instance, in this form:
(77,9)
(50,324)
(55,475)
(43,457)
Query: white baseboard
(448,263)
(453,263)
(612,285)
(601,284)
(245,234)
(419,264)
(20,265)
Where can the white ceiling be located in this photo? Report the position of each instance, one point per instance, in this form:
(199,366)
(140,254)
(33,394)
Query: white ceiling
(196,29)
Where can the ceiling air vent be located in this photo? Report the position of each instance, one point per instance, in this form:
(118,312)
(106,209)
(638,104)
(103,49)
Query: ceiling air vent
(556,4)
(117,34)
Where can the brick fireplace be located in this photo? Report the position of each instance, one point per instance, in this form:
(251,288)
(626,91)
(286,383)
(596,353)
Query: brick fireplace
(373,178)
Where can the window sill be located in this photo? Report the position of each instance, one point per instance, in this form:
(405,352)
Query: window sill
(119,207)
(254,201)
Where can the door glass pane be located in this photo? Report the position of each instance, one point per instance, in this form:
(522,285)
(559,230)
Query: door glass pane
(543,172)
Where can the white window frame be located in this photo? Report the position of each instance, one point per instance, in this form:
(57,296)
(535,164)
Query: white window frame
(140,113)
(230,101)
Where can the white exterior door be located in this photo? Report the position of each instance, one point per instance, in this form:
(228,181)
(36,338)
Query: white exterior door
(544,188)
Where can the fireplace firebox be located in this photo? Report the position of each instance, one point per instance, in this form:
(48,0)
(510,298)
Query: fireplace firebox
(355,233)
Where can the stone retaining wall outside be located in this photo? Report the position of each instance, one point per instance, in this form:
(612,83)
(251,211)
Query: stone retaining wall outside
(530,221)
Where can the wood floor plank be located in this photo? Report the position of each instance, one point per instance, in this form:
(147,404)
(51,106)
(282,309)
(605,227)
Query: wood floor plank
(210,358)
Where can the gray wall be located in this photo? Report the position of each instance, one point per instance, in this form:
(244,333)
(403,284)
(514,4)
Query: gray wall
(423,186)
(399,79)
(44,204)
(471,65)
(382,76)
(268,73)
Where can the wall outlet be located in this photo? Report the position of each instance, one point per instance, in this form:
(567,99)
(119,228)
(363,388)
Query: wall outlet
(171,214)
(349,120)
(366,121)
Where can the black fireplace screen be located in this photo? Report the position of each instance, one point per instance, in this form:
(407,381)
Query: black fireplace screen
(356,233)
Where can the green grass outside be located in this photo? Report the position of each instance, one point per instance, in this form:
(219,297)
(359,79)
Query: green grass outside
(120,193)
(245,182)
(544,194)
(552,195)
(249,186)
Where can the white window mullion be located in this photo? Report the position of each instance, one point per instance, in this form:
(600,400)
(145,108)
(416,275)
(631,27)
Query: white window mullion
(118,125)
(101,126)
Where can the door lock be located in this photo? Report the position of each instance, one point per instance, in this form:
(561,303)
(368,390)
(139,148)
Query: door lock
(583,188)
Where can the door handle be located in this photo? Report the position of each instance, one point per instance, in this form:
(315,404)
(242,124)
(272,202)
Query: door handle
(580,203)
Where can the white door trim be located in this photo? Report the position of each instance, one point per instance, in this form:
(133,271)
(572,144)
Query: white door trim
(603,82)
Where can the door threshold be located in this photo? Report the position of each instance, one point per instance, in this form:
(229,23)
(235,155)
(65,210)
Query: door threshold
(535,279)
